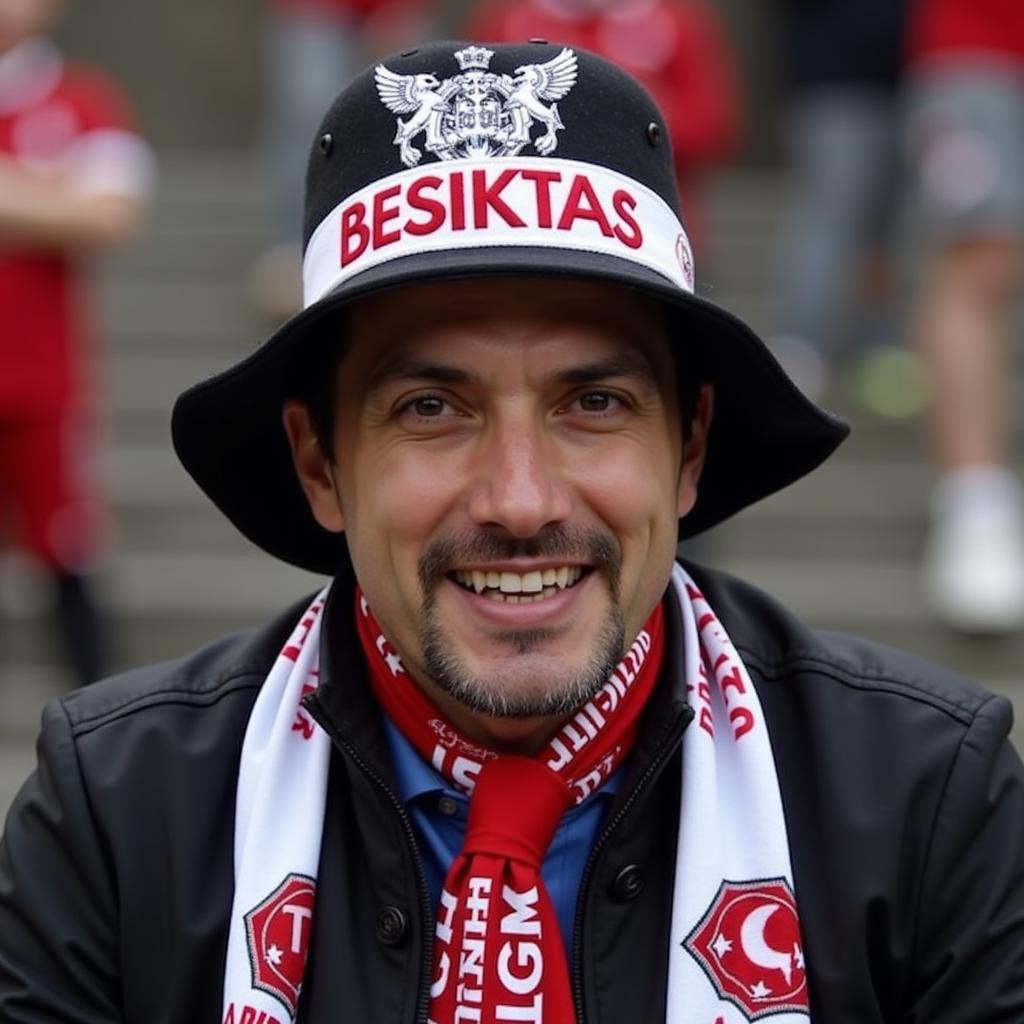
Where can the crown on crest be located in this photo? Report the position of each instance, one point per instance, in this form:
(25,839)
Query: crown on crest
(474,58)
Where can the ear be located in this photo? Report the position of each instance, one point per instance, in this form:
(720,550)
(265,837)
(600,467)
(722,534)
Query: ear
(314,470)
(695,451)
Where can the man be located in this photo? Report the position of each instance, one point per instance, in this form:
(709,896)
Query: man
(966,136)
(841,138)
(514,763)
(73,179)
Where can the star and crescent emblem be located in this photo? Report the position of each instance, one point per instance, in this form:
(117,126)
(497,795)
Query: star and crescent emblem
(750,948)
(478,113)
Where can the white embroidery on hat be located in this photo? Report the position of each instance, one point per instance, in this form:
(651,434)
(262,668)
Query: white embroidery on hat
(478,113)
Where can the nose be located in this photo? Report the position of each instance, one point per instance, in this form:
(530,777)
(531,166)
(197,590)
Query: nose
(520,484)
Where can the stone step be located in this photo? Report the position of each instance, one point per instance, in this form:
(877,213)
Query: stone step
(133,639)
(24,689)
(143,583)
(182,254)
(150,383)
(218,307)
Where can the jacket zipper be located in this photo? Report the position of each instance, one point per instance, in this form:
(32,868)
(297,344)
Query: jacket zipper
(426,960)
(652,769)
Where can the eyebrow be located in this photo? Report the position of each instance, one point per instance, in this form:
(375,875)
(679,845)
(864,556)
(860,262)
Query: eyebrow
(624,364)
(403,368)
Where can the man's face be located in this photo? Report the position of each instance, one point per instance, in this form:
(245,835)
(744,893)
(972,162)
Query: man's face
(509,472)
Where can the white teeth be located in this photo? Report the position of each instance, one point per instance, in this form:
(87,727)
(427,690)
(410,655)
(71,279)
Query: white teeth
(533,582)
(519,587)
(511,583)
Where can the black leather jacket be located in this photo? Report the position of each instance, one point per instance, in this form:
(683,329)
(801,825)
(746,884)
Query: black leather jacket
(904,805)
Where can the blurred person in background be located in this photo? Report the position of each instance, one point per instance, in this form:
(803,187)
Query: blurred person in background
(679,50)
(844,61)
(966,136)
(73,176)
(313,49)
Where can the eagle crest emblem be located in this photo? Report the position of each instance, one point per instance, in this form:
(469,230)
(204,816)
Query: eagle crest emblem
(478,113)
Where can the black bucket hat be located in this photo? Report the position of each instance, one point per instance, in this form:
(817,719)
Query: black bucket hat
(457,160)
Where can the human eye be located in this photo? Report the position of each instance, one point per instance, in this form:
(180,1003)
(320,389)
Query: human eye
(426,410)
(599,401)
(596,402)
(427,406)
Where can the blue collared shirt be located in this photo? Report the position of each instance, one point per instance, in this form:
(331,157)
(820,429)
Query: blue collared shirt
(439,813)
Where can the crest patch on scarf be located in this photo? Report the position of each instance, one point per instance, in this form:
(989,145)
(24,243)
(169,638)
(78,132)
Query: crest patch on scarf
(278,931)
(478,113)
(749,946)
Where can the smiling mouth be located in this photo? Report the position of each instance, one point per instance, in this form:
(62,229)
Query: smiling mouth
(520,588)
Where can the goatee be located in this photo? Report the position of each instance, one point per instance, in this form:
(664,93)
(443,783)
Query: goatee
(562,690)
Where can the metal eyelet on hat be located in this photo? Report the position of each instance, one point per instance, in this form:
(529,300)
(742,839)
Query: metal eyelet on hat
(538,41)
(654,133)
(326,143)
(409,53)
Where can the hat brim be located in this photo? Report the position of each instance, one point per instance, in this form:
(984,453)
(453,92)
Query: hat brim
(227,430)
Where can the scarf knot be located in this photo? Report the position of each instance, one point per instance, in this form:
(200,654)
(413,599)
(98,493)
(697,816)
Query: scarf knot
(502,823)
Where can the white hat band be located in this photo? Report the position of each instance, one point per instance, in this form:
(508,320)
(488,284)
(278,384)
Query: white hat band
(510,201)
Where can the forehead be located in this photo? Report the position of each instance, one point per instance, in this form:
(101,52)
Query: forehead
(542,321)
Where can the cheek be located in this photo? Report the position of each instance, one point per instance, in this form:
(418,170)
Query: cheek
(394,501)
(633,488)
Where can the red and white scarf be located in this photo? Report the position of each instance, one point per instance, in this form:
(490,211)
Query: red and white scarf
(498,953)
(735,951)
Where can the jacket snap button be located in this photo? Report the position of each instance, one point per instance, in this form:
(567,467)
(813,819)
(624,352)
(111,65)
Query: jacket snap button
(391,926)
(628,883)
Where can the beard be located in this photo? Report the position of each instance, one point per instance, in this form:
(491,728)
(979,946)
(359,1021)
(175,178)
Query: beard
(532,685)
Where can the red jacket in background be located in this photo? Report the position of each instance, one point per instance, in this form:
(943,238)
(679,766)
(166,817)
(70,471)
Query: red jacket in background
(53,118)
(941,27)
(678,49)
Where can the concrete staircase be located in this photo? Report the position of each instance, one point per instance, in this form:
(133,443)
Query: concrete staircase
(840,548)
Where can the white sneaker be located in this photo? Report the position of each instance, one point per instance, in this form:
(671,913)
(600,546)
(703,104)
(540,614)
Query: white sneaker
(973,573)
